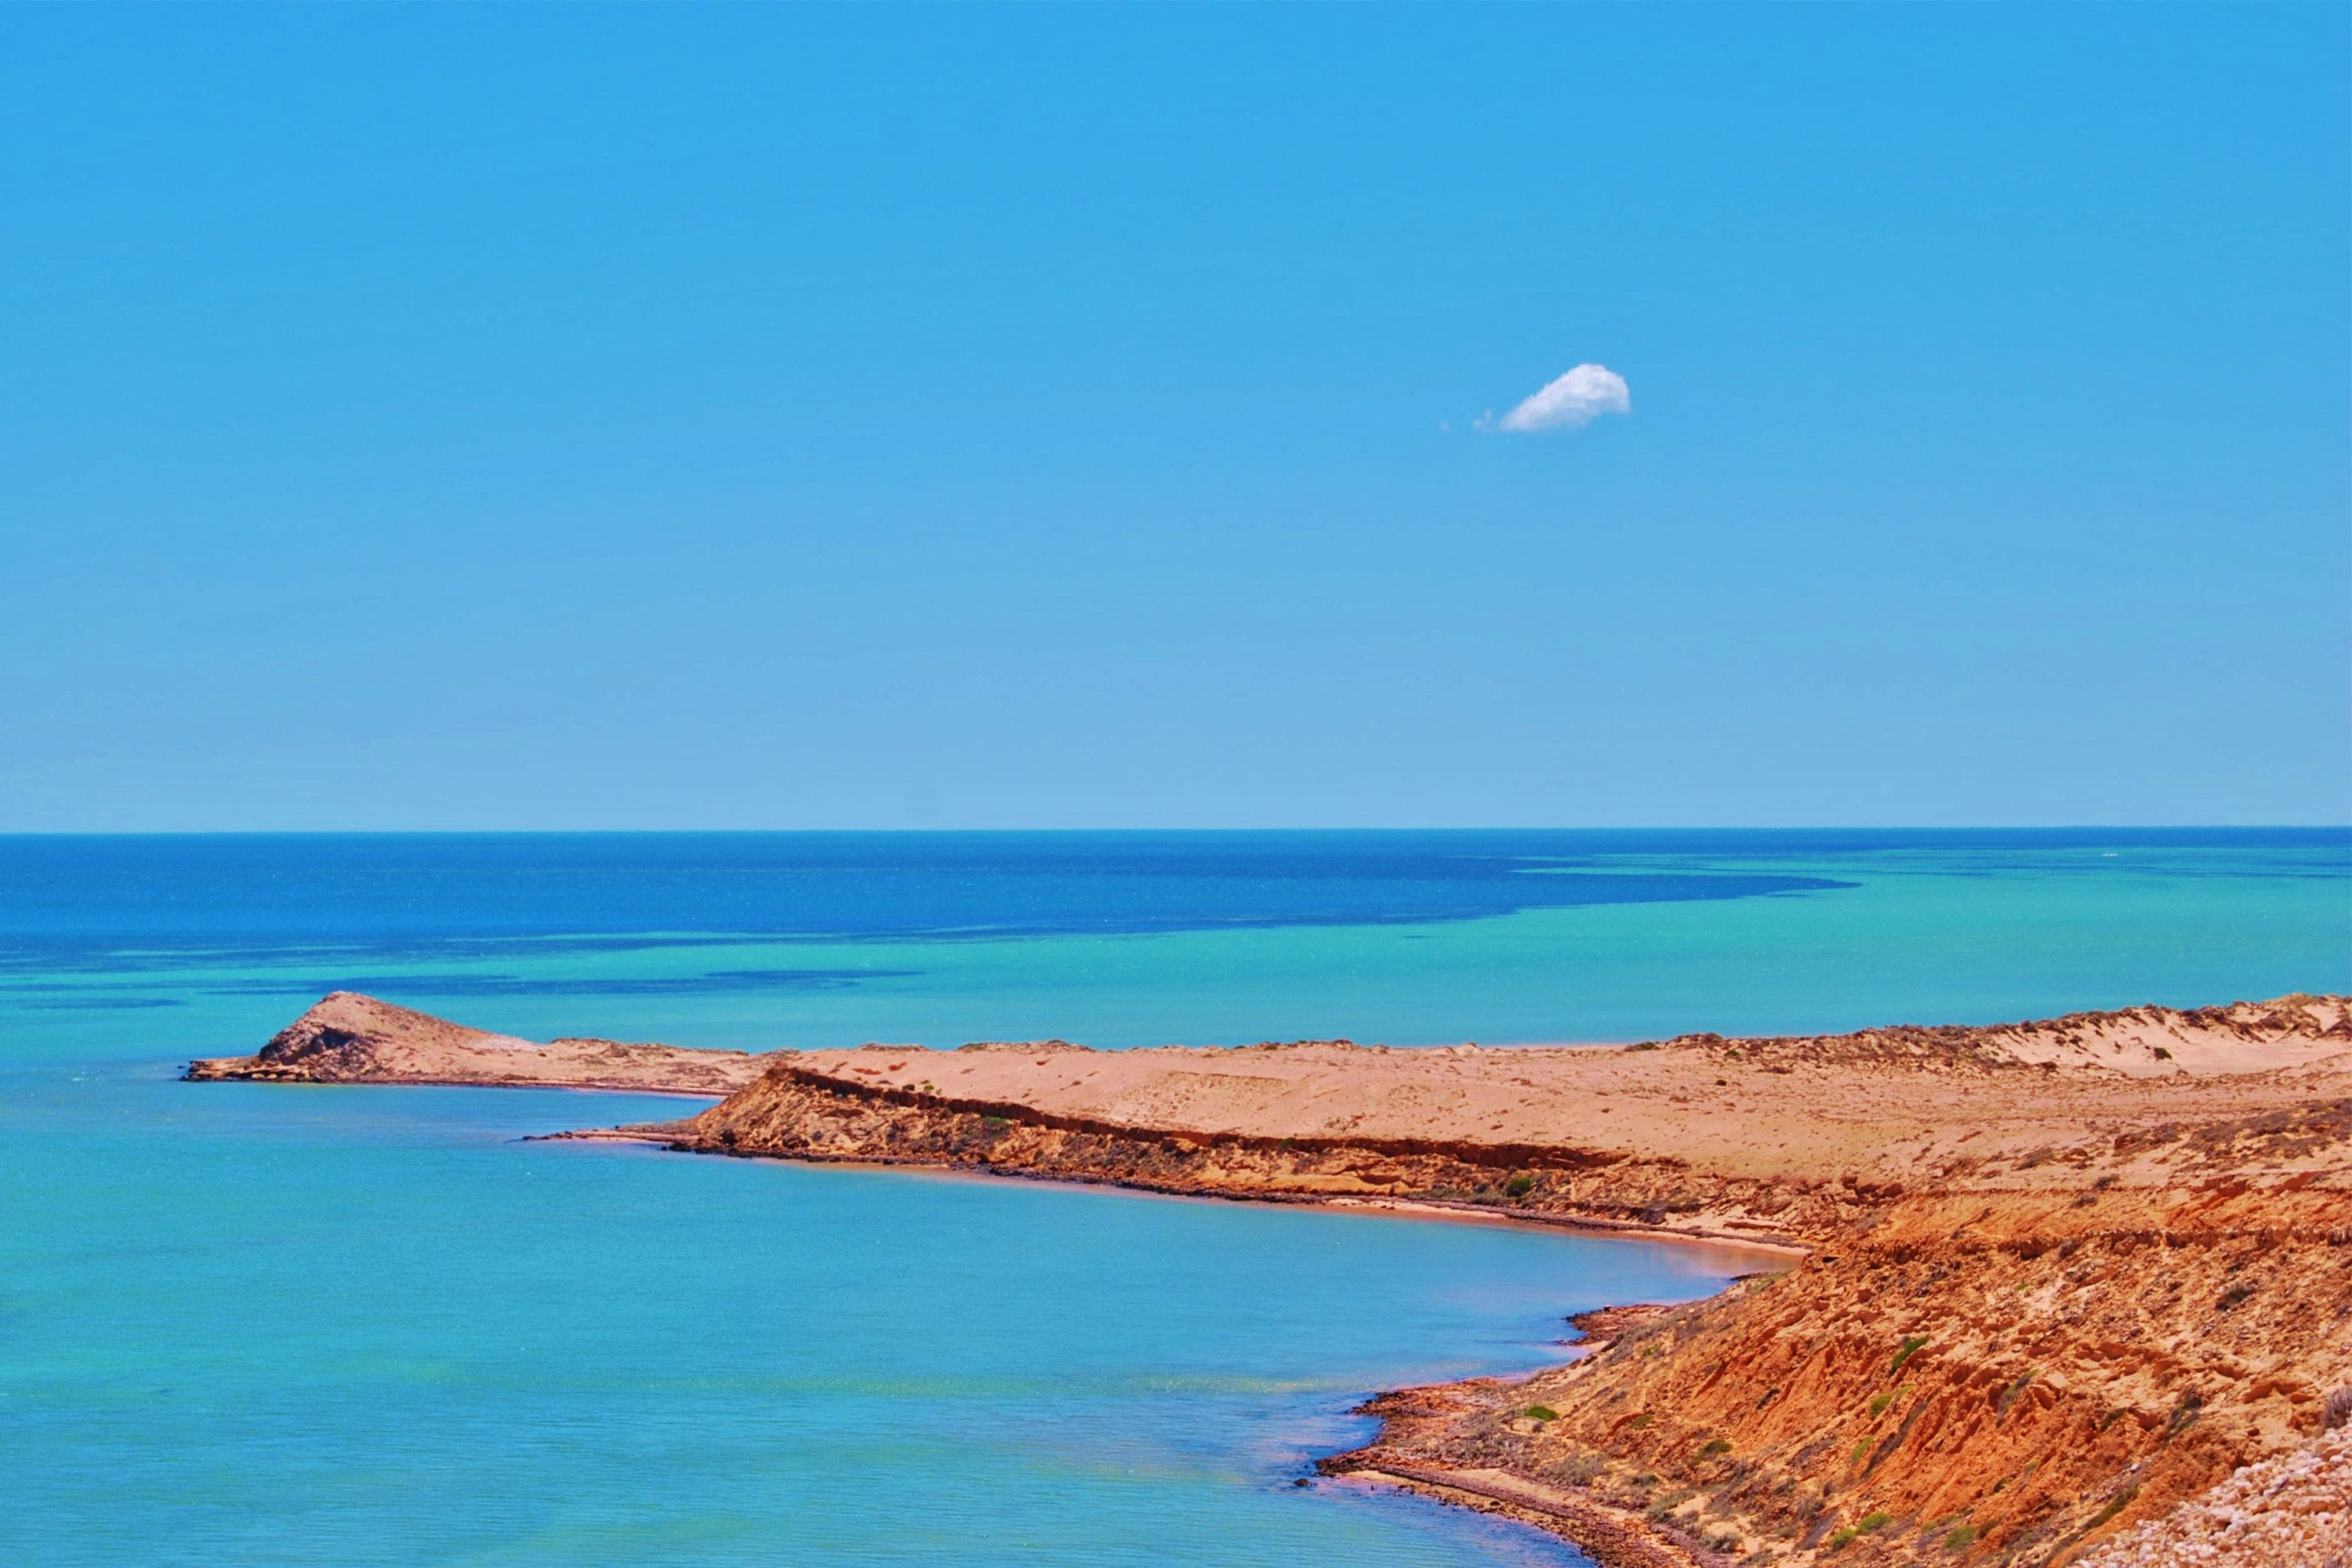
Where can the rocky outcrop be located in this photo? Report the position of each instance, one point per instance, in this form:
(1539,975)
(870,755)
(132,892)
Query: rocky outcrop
(1993,1379)
(1768,1140)
(350,1039)
(2291,1511)
(2053,1289)
(2057,1280)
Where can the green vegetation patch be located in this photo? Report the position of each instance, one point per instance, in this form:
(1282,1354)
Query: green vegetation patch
(1542,1413)
(1912,1346)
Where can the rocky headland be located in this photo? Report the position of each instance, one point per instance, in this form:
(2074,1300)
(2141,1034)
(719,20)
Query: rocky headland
(350,1039)
(2051,1290)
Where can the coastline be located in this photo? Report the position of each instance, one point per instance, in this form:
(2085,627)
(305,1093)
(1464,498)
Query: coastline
(1968,1357)
(1612,1537)
(665,1136)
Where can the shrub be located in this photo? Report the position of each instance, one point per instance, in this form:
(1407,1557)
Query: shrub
(1715,1446)
(1841,1540)
(1542,1413)
(2233,1295)
(2337,1411)
(1912,1345)
(2115,1505)
(1578,1469)
(1861,1452)
(1878,1519)
(1958,1536)
(1520,1185)
(1878,1406)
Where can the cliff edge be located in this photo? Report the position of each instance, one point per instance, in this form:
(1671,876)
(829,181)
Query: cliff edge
(2069,1290)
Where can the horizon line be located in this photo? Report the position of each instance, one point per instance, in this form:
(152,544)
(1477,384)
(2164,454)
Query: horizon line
(2344,826)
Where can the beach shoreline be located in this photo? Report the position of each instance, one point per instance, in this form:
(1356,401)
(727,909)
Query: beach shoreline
(2043,1282)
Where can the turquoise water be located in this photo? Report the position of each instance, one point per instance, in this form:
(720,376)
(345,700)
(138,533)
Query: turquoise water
(253,1324)
(257,1324)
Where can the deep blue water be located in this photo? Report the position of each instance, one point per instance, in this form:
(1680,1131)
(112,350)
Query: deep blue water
(262,1324)
(758,939)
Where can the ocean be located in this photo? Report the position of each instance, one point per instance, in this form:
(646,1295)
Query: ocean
(248,1324)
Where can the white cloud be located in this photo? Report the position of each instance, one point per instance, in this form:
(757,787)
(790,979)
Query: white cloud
(1579,397)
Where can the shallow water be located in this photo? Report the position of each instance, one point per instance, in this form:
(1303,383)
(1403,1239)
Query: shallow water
(254,1324)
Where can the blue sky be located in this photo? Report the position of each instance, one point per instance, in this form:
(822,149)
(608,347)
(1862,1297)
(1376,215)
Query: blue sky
(554,417)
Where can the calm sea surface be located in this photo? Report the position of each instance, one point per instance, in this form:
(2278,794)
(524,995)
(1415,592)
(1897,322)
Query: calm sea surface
(254,1324)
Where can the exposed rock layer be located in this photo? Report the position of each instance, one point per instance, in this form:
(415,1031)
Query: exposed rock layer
(2291,1511)
(350,1039)
(1995,1378)
(2063,1276)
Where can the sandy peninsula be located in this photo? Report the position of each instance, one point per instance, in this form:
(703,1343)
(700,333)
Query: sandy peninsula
(2052,1289)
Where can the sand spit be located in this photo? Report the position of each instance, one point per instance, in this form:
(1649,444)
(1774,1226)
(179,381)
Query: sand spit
(351,1038)
(2059,1280)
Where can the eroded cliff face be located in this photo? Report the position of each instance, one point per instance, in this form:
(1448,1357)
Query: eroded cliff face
(2057,1279)
(796,1113)
(1998,1378)
(2142,1282)
(1805,1141)
(2292,1510)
